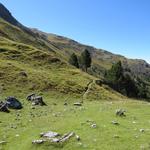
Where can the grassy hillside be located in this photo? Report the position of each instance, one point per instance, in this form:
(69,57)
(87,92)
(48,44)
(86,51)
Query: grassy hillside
(26,69)
(102,59)
(26,125)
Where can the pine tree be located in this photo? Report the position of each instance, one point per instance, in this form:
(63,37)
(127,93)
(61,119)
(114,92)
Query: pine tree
(86,60)
(73,60)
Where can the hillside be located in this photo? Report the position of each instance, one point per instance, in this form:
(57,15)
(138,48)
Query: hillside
(20,44)
(31,63)
(102,59)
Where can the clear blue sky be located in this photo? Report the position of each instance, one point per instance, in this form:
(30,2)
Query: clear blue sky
(119,26)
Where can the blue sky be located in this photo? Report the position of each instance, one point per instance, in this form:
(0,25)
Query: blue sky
(119,26)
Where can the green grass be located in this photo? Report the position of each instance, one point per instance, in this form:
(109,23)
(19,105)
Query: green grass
(70,118)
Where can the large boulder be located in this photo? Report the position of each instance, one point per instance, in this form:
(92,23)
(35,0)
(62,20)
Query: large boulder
(13,103)
(3,107)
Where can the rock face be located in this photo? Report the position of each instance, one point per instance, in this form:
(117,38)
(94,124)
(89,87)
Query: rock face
(3,107)
(36,100)
(13,103)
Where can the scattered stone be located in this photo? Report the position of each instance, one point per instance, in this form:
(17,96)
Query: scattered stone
(2,142)
(142,130)
(93,126)
(17,135)
(120,112)
(31,97)
(50,134)
(38,100)
(3,107)
(115,122)
(38,141)
(65,103)
(23,73)
(66,137)
(116,136)
(55,140)
(54,137)
(13,103)
(78,137)
(77,104)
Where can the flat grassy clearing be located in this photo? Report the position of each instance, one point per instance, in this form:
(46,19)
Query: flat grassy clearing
(20,130)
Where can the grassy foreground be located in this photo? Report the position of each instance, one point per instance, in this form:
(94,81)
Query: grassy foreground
(19,128)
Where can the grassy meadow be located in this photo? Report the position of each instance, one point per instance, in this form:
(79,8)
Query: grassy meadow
(20,128)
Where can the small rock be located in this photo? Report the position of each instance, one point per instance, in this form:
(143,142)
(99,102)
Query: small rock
(2,142)
(93,126)
(115,122)
(49,134)
(142,130)
(116,136)
(65,103)
(78,137)
(38,141)
(120,112)
(23,73)
(77,104)
(17,135)
(55,140)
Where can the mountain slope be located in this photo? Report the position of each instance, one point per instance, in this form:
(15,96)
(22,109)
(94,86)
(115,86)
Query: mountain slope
(101,58)
(31,63)
(38,61)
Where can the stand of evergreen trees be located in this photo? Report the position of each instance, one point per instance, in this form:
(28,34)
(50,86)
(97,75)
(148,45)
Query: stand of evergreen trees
(83,62)
(122,82)
(117,78)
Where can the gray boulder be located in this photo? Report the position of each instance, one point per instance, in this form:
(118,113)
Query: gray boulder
(13,103)
(36,100)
